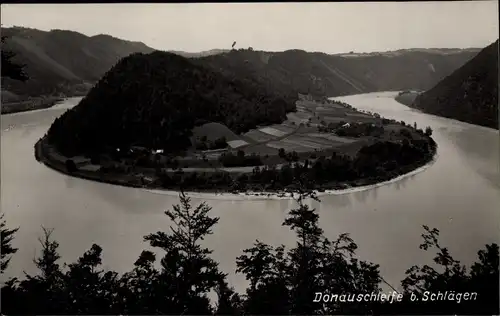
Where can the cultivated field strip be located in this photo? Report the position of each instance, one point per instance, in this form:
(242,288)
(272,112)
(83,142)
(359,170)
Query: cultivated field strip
(273,131)
(332,138)
(288,147)
(284,128)
(236,143)
(259,136)
(361,115)
(332,119)
(304,143)
(262,149)
(318,140)
(331,112)
(330,107)
(303,115)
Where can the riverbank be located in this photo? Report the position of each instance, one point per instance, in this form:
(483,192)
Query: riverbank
(29,105)
(44,153)
(251,195)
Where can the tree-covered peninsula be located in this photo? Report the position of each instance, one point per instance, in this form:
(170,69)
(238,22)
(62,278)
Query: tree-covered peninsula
(160,120)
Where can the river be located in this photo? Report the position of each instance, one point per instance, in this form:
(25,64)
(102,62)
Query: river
(458,194)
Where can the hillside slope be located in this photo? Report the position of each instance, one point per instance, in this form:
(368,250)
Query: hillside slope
(335,75)
(70,63)
(155,100)
(469,94)
(63,61)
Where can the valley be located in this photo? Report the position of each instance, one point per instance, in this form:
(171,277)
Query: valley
(53,74)
(249,159)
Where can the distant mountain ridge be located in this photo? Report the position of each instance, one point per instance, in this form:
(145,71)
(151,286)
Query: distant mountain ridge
(469,94)
(334,75)
(393,53)
(70,63)
(61,61)
(441,51)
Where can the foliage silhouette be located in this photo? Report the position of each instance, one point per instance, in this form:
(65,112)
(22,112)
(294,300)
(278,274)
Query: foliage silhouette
(7,250)
(281,281)
(155,100)
(285,282)
(426,280)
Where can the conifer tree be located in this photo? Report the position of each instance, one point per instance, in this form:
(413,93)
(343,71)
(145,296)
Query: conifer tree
(286,282)
(7,250)
(187,269)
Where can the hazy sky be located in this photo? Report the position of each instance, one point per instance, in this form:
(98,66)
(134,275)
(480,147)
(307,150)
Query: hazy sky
(326,27)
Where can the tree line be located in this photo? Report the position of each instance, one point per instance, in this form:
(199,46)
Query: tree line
(282,281)
(373,163)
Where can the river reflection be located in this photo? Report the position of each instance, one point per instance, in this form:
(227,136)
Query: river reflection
(480,149)
(458,194)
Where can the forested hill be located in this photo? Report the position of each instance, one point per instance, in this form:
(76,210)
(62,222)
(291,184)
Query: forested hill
(335,75)
(154,101)
(62,61)
(70,63)
(469,94)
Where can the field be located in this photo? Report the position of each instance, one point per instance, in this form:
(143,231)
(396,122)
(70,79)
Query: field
(236,143)
(284,128)
(310,137)
(300,133)
(262,150)
(258,136)
(332,138)
(273,131)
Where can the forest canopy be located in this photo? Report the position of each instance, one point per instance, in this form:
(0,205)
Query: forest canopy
(155,100)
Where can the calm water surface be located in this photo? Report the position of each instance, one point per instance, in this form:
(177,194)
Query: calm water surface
(458,194)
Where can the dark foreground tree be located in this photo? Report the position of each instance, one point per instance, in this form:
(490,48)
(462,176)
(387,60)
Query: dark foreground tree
(82,289)
(40,293)
(181,286)
(187,273)
(481,283)
(7,250)
(306,279)
(448,288)
(299,280)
